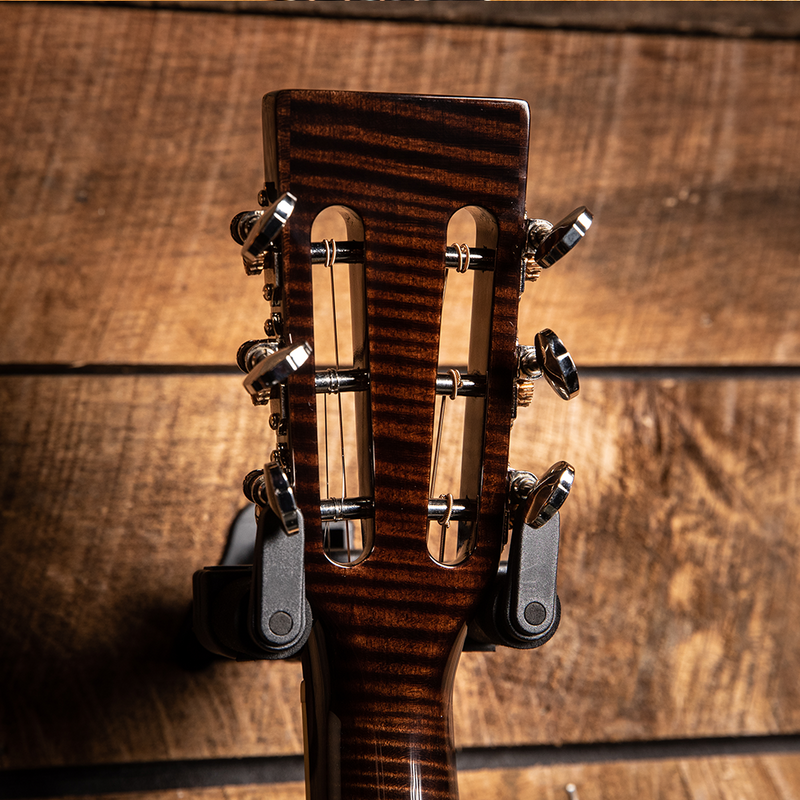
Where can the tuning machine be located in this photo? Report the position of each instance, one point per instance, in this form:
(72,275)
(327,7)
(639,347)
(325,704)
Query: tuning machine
(268,366)
(257,231)
(259,611)
(547,358)
(546,243)
(523,610)
(537,500)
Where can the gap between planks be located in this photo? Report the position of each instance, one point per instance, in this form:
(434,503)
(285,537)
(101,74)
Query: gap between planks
(716,19)
(152,776)
(611,372)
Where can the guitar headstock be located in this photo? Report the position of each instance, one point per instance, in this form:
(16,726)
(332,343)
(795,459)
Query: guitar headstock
(358,529)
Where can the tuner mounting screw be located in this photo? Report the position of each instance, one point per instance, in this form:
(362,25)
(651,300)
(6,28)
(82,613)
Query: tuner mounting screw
(273,326)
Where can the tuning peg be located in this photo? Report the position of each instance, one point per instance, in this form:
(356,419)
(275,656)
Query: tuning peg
(549,358)
(275,368)
(258,229)
(546,243)
(253,351)
(540,501)
(242,224)
(280,496)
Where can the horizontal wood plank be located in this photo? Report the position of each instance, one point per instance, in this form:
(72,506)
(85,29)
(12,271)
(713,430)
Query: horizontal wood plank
(129,144)
(718,17)
(747,778)
(764,777)
(677,574)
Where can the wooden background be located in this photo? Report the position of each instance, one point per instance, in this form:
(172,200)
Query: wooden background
(129,138)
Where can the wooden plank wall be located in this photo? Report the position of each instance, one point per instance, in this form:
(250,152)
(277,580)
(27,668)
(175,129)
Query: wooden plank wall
(130,137)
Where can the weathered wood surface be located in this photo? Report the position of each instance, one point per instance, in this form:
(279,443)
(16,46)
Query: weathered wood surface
(717,17)
(772,777)
(128,144)
(677,575)
(720,778)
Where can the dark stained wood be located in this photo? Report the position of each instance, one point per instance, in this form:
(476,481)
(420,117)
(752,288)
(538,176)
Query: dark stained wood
(677,572)
(390,628)
(123,166)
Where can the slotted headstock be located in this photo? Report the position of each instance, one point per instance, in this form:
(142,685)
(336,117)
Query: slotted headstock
(391,604)
(391,625)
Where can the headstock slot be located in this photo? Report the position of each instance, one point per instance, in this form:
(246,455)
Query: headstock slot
(455,471)
(343,430)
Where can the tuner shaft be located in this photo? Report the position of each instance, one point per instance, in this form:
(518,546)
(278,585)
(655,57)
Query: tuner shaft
(332,381)
(352,252)
(364,508)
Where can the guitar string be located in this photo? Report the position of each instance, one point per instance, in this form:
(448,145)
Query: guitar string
(327,527)
(330,260)
(444,524)
(442,410)
(435,467)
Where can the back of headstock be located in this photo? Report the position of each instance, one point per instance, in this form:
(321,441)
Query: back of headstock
(390,619)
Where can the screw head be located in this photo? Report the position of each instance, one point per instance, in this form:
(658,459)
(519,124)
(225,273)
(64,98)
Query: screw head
(280,623)
(535,613)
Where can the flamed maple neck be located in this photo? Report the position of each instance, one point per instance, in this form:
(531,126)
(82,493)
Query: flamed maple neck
(388,630)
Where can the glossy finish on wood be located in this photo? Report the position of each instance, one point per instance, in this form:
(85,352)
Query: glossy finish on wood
(390,629)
